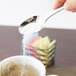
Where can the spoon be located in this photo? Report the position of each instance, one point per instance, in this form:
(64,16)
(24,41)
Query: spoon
(36,23)
(32,26)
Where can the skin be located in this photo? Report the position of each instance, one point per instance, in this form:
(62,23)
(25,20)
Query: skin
(69,5)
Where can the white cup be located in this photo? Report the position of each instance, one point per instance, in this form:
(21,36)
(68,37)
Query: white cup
(38,65)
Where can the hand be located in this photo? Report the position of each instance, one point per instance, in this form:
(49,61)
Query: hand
(69,5)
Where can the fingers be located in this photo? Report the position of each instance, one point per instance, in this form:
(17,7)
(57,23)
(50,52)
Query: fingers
(58,3)
(69,5)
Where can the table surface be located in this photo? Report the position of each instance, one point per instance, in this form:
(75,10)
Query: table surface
(65,59)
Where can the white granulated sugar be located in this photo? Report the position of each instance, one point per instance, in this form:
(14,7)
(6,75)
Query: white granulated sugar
(30,28)
(29,32)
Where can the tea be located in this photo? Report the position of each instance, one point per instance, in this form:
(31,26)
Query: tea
(19,70)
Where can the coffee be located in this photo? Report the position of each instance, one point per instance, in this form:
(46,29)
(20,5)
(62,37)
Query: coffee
(19,70)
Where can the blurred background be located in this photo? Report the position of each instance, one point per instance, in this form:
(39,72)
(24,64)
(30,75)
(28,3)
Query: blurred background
(14,12)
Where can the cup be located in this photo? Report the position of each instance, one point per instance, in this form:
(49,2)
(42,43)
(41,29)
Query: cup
(23,60)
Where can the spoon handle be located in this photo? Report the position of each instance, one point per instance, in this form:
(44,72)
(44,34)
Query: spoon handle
(46,17)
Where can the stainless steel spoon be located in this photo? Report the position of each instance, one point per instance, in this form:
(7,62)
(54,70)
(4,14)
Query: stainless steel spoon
(36,23)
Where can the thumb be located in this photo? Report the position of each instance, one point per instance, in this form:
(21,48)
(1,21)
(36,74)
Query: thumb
(70,5)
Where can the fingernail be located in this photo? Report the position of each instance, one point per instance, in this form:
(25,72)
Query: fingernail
(66,7)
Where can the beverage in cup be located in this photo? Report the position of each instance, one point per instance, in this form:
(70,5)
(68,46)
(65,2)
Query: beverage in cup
(22,66)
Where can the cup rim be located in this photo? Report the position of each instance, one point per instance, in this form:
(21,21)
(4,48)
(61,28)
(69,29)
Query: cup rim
(42,67)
